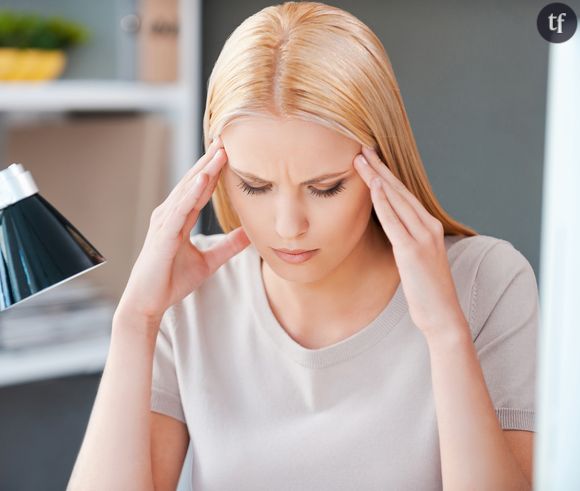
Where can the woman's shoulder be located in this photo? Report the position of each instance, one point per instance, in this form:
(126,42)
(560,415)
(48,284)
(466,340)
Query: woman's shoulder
(487,252)
(492,269)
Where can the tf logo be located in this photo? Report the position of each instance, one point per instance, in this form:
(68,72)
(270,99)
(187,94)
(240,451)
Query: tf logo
(557,22)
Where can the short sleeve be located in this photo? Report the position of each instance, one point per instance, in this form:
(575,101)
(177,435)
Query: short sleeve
(165,397)
(505,312)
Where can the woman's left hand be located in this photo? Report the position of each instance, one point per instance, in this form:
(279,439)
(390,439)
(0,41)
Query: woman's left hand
(418,247)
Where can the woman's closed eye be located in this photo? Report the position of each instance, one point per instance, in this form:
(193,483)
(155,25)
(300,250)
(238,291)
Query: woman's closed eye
(324,193)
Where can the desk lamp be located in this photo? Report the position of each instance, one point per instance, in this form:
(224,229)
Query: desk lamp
(39,248)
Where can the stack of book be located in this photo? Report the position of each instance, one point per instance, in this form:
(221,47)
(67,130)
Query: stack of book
(72,311)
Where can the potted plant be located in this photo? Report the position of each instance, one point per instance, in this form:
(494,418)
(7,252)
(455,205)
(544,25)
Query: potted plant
(32,48)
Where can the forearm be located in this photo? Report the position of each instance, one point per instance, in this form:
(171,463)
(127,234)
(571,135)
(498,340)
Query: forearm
(115,453)
(474,452)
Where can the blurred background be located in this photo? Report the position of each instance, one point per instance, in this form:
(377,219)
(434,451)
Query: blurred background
(117,121)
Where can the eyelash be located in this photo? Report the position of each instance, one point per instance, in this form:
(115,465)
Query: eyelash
(327,193)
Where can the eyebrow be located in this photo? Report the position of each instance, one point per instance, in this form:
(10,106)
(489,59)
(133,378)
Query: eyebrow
(314,180)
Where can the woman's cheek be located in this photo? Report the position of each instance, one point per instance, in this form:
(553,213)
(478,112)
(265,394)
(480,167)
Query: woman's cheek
(250,209)
(351,213)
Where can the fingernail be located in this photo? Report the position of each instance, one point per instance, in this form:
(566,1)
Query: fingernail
(361,160)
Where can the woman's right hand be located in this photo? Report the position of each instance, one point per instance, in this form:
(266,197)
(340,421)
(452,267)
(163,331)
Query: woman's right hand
(169,266)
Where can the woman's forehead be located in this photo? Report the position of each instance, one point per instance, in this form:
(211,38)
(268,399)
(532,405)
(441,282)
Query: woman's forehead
(258,142)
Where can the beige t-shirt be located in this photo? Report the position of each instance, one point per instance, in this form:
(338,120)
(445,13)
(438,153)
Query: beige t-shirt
(265,413)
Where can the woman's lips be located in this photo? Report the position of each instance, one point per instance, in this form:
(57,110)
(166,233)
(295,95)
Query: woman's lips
(296,258)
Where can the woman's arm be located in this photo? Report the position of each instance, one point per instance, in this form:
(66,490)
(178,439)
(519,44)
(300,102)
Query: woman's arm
(474,450)
(473,447)
(116,450)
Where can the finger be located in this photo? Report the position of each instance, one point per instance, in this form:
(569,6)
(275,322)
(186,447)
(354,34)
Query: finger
(213,170)
(399,202)
(189,205)
(205,159)
(187,198)
(406,212)
(400,205)
(381,202)
(194,202)
(199,166)
(234,242)
(382,168)
(392,225)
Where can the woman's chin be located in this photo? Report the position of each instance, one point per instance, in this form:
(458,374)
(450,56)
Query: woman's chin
(302,272)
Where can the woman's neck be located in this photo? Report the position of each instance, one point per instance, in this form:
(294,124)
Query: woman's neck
(322,312)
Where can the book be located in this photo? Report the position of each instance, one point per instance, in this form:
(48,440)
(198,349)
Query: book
(72,311)
(157,41)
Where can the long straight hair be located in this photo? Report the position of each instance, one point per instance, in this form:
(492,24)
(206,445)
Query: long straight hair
(321,64)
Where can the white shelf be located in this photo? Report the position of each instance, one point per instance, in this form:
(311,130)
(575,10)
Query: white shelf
(68,95)
(51,361)
(181,103)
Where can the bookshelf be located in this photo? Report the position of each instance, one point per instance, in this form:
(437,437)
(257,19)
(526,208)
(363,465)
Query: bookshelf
(93,95)
(178,102)
(51,361)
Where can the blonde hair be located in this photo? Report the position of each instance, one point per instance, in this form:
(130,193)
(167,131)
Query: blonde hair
(318,63)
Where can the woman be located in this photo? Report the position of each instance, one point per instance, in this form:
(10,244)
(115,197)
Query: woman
(388,346)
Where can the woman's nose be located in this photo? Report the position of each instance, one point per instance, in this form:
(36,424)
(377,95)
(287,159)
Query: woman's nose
(291,221)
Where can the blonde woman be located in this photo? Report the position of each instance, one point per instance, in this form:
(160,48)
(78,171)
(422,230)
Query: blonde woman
(343,332)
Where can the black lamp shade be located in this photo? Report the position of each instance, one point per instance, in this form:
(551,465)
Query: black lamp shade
(39,249)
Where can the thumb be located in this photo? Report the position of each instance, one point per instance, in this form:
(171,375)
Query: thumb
(234,242)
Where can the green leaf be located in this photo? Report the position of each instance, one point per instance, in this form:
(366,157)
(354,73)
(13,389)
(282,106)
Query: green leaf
(28,30)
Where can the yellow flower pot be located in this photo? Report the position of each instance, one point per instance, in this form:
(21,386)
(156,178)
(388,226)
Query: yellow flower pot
(31,64)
